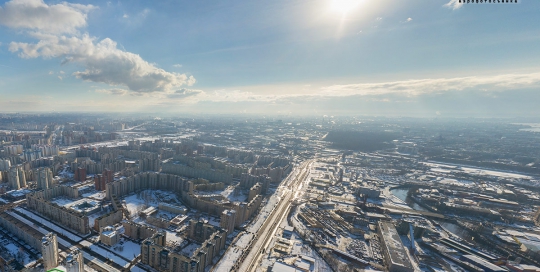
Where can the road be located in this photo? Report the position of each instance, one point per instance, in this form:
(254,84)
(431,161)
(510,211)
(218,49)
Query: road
(259,245)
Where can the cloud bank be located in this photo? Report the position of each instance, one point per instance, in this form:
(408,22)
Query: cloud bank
(56,27)
(491,84)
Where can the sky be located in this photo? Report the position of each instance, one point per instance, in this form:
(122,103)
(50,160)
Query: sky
(418,58)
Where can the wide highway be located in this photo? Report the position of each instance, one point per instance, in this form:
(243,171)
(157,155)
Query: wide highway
(263,236)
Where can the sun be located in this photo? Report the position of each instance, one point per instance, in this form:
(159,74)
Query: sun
(343,6)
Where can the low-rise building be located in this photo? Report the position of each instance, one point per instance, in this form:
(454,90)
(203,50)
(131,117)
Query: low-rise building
(109,236)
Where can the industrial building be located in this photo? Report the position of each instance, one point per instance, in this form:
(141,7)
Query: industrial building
(395,254)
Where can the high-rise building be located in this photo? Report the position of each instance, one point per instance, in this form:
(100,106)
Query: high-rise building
(16,177)
(228,219)
(254,191)
(44,178)
(148,164)
(200,231)
(108,174)
(241,211)
(75,261)
(5,165)
(49,251)
(99,182)
(14,149)
(80,174)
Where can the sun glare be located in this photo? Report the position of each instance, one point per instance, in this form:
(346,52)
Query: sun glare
(344,6)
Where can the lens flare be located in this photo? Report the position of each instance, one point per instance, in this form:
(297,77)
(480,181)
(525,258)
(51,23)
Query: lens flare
(344,6)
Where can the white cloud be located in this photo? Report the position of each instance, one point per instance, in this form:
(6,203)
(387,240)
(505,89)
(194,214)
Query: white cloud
(125,16)
(184,93)
(409,19)
(177,65)
(113,91)
(421,86)
(453,4)
(59,77)
(102,60)
(51,72)
(406,88)
(38,16)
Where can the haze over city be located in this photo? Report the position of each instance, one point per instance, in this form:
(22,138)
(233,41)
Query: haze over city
(269,136)
(395,58)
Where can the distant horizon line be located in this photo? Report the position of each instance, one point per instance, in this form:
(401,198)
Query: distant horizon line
(276,115)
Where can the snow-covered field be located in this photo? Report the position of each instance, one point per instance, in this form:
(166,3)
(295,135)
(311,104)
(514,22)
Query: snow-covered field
(129,249)
(173,239)
(139,201)
(477,171)
(95,195)
(233,195)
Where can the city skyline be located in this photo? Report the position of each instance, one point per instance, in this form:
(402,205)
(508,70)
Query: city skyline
(414,58)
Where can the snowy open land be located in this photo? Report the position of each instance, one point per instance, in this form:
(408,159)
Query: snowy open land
(128,249)
(107,253)
(137,202)
(233,195)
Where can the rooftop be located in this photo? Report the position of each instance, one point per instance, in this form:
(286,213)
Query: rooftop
(394,246)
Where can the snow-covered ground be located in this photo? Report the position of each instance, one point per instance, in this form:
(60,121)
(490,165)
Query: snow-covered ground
(107,253)
(233,195)
(21,255)
(134,204)
(128,249)
(173,239)
(95,194)
(139,201)
(477,171)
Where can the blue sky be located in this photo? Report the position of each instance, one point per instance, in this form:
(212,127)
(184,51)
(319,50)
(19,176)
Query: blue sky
(367,57)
